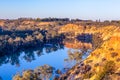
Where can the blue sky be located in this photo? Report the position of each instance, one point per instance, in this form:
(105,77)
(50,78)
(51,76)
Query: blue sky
(83,9)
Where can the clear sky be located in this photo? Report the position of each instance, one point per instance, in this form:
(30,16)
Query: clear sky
(83,9)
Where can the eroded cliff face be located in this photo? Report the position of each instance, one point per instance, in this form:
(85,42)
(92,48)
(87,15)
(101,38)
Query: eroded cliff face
(105,32)
(104,62)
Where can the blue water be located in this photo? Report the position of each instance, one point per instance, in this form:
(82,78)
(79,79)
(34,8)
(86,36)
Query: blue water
(54,59)
(53,55)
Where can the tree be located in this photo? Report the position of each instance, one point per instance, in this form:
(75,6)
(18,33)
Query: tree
(38,19)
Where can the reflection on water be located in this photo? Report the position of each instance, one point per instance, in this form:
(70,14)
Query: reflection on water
(60,55)
(77,49)
(0,78)
(29,55)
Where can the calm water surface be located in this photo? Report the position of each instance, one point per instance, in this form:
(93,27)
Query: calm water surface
(55,59)
(55,55)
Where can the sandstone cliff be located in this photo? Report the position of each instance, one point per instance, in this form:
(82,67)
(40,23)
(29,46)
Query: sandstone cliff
(104,62)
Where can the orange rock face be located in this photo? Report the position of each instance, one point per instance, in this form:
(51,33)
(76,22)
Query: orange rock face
(115,42)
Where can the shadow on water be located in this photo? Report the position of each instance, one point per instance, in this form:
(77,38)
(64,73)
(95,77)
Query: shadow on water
(85,38)
(78,50)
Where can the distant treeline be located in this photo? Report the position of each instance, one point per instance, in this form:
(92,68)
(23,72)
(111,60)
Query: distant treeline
(44,19)
(67,20)
(63,19)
